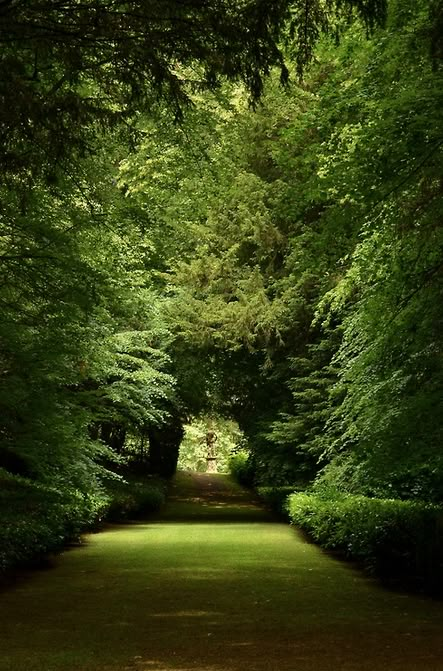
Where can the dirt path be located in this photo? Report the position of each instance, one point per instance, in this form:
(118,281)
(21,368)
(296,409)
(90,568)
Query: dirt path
(213,585)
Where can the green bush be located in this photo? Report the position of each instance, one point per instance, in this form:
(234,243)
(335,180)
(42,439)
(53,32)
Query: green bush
(241,468)
(38,520)
(391,538)
(132,498)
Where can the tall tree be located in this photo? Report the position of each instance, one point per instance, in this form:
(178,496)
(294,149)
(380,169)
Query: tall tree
(311,266)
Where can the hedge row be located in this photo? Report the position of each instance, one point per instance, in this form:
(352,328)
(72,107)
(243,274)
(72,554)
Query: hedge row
(401,540)
(37,520)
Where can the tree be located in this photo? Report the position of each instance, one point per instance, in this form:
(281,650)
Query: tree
(273,265)
(310,256)
(70,68)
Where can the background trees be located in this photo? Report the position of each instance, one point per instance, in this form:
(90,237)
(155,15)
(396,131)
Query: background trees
(309,271)
(84,359)
(281,266)
(194,448)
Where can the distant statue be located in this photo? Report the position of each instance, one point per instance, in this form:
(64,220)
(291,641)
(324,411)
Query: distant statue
(211,455)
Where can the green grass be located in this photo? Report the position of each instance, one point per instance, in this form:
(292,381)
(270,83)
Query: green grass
(212,585)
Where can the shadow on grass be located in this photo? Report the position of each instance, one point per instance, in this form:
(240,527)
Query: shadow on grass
(202,497)
(161,595)
(214,513)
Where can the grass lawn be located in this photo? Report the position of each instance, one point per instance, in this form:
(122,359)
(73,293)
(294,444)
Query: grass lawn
(213,584)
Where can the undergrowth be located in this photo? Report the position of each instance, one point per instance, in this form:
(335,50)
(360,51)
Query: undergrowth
(241,468)
(38,520)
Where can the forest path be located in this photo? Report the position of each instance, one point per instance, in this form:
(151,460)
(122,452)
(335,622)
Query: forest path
(213,584)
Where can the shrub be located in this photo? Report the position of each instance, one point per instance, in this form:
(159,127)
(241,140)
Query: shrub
(241,468)
(391,538)
(133,498)
(38,520)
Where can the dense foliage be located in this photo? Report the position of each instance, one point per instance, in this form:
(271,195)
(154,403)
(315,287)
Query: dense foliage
(309,264)
(38,520)
(397,540)
(280,266)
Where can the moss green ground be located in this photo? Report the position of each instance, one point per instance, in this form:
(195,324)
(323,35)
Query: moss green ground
(214,584)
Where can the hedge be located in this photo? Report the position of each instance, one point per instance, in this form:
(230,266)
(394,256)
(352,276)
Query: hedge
(133,498)
(395,539)
(38,520)
(241,468)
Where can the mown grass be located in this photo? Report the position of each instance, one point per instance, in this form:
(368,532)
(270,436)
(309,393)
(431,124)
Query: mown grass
(212,585)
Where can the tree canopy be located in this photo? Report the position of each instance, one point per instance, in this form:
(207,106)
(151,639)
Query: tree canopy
(309,269)
(167,250)
(70,68)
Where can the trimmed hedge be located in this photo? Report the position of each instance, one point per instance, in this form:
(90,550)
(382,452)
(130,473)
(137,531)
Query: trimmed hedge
(38,520)
(394,539)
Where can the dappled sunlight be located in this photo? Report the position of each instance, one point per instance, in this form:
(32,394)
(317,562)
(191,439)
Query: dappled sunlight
(204,497)
(221,250)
